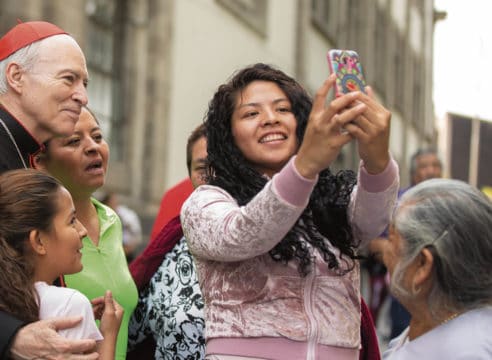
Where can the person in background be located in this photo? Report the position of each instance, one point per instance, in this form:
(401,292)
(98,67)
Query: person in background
(170,306)
(41,239)
(173,199)
(43,78)
(170,206)
(273,233)
(80,162)
(132,228)
(424,165)
(438,255)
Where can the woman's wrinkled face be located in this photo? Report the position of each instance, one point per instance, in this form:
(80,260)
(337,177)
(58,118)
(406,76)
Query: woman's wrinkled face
(80,160)
(264,126)
(392,250)
(54,89)
(402,273)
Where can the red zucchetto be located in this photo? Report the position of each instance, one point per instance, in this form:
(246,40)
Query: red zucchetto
(24,34)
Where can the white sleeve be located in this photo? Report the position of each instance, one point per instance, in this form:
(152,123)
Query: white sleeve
(77,304)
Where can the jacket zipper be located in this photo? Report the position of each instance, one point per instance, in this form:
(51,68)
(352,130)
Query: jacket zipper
(312,337)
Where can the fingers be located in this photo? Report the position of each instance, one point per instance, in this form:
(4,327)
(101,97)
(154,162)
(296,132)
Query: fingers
(374,119)
(111,306)
(64,322)
(98,301)
(84,346)
(119,311)
(346,100)
(351,114)
(108,301)
(111,317)
(41,337)
(98,311)
(360,126)
(91,356)
(322,93)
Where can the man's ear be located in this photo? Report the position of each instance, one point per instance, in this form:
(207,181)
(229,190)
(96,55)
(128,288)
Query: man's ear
(14,75)
(36,242)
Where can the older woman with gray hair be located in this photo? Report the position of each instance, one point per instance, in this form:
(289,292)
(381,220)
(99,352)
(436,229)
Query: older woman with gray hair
(439,255)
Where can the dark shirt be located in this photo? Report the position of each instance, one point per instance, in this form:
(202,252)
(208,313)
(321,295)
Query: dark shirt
(27,146)
(10,159)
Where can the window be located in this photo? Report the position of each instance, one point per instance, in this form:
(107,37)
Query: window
(418,111)
(325,17)
(251,12)
(398,84)
(380,67)
(103,65)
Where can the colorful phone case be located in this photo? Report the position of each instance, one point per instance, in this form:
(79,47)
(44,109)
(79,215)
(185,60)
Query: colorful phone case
(346,64)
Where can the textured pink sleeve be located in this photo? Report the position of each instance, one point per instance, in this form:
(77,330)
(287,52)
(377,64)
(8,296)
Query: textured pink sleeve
(372,202)
(217,228)
(292,186)
(378,182)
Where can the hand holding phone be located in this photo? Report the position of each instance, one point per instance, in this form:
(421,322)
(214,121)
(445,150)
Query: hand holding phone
(346,65)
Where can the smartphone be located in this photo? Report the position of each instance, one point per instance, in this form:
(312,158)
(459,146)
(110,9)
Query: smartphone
(347,66)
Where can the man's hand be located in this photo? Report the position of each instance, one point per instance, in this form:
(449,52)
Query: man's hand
(40,340)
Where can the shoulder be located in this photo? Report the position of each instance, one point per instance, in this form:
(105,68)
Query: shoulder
(107,217)
(465,337)
(205,191)
(64,294)
(60,301)
(205,195)
(103,209)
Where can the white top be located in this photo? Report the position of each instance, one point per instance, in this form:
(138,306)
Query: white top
(60,302)
(467,336)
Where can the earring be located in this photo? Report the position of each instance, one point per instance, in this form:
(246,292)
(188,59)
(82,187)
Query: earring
(416,289)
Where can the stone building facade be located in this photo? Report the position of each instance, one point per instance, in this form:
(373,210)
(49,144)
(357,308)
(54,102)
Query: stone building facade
(154,65)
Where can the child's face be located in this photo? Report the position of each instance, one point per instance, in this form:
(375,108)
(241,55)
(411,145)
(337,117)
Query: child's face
(264,126)
(63,241)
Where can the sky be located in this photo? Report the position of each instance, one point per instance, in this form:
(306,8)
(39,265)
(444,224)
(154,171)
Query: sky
(463,59)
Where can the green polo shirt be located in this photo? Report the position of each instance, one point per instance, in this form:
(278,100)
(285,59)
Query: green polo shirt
(105,268)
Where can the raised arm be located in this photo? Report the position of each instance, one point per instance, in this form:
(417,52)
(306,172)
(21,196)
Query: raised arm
(217,228)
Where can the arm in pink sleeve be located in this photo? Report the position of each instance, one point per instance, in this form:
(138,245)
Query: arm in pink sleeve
(292,187)
(372,201)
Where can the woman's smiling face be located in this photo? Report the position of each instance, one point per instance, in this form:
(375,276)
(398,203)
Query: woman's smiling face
(264,126)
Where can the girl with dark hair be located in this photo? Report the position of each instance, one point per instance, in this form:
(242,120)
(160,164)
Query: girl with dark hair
(41,239)
(275,233)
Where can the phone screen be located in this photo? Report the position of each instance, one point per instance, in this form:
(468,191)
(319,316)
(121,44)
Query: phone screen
(346,65)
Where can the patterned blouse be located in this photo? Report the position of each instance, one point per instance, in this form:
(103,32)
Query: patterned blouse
(170,309)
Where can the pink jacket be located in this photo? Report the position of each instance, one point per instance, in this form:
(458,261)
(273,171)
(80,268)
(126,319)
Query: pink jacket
(249,295)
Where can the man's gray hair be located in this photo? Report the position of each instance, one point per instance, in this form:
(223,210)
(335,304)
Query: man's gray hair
(26,57)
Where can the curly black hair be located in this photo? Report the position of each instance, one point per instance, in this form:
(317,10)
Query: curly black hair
(326,214)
